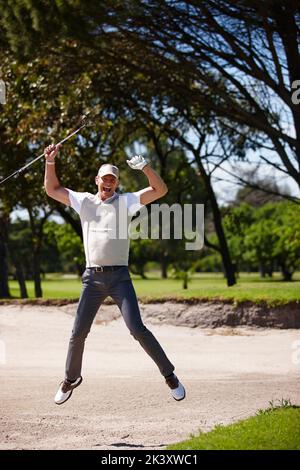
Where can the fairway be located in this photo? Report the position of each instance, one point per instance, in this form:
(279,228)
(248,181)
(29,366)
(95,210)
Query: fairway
(202,286)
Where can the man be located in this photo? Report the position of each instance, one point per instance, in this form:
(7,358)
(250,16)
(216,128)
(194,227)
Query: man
(106,255)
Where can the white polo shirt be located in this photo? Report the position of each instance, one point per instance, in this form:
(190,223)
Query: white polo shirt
(105,226)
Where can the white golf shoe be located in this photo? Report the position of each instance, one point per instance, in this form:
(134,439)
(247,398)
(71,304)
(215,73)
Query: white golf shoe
(177,389)
(65,390)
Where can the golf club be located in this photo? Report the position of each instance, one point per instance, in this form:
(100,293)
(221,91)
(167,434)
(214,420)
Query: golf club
(82,123)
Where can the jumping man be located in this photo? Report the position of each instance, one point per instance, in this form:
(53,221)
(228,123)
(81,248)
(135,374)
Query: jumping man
(107,271)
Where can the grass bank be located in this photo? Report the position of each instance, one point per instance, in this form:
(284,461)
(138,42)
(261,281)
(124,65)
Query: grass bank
(276,429)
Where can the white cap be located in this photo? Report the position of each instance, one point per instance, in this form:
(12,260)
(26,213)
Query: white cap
(108,169)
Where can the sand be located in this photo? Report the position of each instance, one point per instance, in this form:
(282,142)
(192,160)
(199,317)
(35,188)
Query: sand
(123,402)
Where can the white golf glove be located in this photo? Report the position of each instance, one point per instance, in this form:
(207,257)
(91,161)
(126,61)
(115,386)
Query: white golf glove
(137,162)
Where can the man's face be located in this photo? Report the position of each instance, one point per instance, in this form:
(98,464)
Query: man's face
(107,184)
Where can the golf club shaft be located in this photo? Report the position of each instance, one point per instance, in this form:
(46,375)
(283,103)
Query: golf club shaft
(40,156)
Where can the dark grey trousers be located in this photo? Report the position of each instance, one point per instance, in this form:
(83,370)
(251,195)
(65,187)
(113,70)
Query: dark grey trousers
(118,285)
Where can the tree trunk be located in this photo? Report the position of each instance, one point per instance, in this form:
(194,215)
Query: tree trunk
(185,281)
(262,270)
(270,272)
(21,280)
(37,272)
(142,272)
(37,238)
(4,287)
(286,273)
(226,258)
(164,268)
(227,263)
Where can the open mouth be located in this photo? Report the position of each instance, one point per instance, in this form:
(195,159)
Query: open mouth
(106,190)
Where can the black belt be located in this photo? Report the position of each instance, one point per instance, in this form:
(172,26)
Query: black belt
(101,269)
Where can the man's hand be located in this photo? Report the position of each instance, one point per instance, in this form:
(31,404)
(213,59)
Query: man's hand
(50,152)
(137,162)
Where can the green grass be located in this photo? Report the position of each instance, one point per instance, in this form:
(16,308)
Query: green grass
(202,286)
(52,288)
(274,429)
(213,286)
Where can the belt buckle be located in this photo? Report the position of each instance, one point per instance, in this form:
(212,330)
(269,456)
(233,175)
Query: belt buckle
(99,269)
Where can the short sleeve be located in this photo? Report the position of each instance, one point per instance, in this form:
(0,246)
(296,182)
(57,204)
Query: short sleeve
(133,202)
(76,199)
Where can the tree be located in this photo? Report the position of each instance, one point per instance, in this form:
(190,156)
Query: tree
(4,223)
(287,247)
(238,59)
(266,237)
(263,190)
(68,244)
(141,252)
(260,240)
(20,254)
(237,223)
(245,52)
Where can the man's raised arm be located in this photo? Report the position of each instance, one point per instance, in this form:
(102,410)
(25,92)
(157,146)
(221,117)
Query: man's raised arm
(157,187)
(52,185)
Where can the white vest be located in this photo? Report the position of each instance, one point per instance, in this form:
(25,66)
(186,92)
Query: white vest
(105,231)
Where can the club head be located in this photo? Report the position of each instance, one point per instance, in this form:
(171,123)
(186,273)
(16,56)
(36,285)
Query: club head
(83,120)
(86,119)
